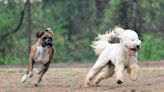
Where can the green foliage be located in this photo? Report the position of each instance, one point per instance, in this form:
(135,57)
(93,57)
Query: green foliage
(151,48)
(6,59)
(75,25)
(51,13)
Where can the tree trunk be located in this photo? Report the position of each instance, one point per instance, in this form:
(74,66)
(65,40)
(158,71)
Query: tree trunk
(133,16)
(135,19)
(29,23)
(125,14)
(100,6)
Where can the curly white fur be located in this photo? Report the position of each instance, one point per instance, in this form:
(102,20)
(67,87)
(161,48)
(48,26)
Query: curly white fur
(115,57)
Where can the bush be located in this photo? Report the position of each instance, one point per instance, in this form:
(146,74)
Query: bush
(12,60)
(151,48)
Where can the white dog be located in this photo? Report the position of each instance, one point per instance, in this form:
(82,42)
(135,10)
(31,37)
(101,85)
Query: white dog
(115,57)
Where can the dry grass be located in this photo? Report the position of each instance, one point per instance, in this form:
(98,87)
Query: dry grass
(71,79)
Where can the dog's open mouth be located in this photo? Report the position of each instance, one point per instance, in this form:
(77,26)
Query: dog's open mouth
(48,45)
(134,49)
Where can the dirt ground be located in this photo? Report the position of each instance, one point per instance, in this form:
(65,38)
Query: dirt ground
(69,78)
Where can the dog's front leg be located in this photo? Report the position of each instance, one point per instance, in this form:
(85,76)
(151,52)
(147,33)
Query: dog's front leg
(119,68)
(39,71)
(30,67)
(133,70)
(31,62)
(29,70)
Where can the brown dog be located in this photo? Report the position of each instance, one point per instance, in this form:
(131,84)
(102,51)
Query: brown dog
(41,52)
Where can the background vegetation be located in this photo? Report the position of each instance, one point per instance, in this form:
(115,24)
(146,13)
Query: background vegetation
(76,23)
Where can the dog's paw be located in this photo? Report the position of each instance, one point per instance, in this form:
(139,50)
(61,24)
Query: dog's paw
(86,85)
(133,79)
(95,85)
(24,78)
(119,82)
(36,84)
(30,74)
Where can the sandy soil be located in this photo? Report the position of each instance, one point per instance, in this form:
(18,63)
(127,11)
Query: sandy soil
(70,79)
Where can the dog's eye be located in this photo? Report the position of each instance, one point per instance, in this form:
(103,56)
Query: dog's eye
(50,38)
(44,38)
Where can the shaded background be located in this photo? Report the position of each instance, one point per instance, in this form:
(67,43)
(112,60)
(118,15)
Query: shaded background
(75,24)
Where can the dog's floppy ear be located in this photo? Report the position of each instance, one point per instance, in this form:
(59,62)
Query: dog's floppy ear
(49,30)
(39,34)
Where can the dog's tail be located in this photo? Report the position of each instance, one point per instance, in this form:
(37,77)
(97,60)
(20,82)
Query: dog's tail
(103,40)
(117,32)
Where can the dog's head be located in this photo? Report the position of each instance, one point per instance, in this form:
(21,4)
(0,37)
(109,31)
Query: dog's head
(130,41)
(45,37)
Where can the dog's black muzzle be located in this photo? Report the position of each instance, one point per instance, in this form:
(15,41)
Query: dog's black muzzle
(47,42)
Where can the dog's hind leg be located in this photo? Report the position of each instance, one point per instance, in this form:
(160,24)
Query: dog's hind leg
(91,74)
(44,68)
(107,72)
(100,63)
(43,71)
(39,71)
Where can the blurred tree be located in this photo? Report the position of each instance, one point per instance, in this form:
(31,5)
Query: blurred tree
(76,23)
(29,23)
(100,7)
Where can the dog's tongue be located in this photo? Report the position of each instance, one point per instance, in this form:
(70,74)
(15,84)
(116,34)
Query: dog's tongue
(47,46)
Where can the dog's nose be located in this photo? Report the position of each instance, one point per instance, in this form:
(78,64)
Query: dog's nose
(138,46)
(48,40)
